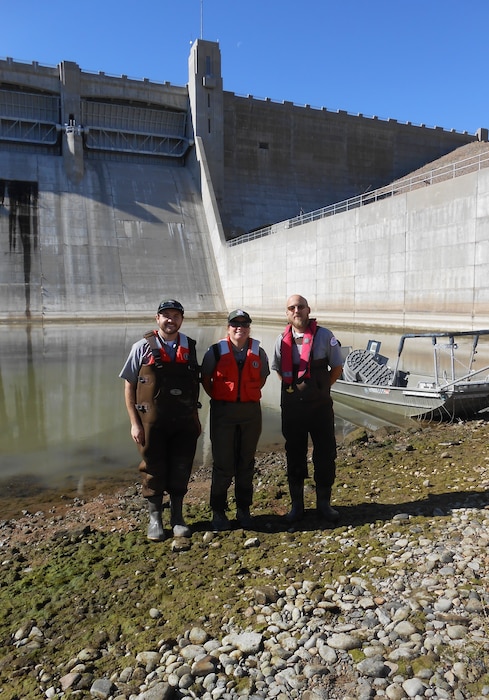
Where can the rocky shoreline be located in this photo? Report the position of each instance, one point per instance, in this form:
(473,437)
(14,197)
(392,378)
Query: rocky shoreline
(390,603)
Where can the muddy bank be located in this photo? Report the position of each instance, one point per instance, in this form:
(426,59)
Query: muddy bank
(426,464)
(82,588)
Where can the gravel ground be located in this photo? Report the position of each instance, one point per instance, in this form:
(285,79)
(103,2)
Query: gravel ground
(389,603)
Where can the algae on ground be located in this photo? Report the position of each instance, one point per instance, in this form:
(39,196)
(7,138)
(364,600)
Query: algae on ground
(91,589)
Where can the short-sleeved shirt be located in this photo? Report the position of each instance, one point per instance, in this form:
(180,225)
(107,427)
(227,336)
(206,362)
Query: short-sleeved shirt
(325,345)
(140,354)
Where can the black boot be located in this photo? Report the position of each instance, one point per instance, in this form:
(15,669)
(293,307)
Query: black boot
(323,505)
(220,521)
(156,533)
(296,512)
(243,516)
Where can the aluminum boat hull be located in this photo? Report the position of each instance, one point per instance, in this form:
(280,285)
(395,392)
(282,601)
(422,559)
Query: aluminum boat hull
(462,402)
(369,384)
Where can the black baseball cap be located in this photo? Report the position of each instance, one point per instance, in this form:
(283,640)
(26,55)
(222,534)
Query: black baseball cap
(239,313)
(170,304)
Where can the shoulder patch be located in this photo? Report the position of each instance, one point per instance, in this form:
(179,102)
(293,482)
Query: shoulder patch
(333,341)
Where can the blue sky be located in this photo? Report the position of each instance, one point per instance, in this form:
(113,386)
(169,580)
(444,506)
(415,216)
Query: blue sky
(423,61)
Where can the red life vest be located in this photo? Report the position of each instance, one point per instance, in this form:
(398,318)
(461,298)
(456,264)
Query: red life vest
(155,343)
(232,383)
(287,368)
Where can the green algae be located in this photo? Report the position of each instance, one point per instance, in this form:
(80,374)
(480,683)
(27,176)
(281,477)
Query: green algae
(93,589)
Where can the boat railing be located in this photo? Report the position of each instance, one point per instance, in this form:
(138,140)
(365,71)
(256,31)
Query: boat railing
(422,179)
(466,377)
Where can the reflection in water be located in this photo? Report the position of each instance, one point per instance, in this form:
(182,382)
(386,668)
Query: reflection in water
(61,401)
(21,396)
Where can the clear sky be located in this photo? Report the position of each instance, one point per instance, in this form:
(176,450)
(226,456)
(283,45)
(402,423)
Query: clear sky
(423,61)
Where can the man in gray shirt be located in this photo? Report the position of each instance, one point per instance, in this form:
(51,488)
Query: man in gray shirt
(308,360)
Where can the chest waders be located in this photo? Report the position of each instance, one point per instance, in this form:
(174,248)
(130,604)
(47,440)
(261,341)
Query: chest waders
(315,388)
(167,392)
(167,389)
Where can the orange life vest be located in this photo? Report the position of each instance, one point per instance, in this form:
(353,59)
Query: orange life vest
(232,382)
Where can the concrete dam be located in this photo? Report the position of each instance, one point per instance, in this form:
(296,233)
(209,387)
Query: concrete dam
(116,192)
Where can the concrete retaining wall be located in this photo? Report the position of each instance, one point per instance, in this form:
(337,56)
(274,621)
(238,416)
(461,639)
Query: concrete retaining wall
(103,219)
(281,158)
(418,260)
(111,245)
(129,234)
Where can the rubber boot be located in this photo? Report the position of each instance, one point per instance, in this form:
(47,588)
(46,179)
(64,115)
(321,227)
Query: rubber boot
(156,533)
(243,516)
(220,521)
(323,505)
(180,527)
(296,512)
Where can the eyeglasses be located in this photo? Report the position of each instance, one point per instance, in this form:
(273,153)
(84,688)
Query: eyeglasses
(299,307)
(238,324)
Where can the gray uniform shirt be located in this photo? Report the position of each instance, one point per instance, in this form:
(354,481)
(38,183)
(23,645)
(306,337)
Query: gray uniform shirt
(140,354)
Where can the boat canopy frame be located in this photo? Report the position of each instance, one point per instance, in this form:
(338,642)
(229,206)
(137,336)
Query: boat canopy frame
(452,345)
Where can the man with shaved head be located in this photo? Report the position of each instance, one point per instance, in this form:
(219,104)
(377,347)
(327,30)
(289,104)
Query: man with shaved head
(308,360)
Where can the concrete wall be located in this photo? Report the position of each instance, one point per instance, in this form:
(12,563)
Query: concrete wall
(54,80)
(418,260)
(95,224)
(111,245)
(281,158)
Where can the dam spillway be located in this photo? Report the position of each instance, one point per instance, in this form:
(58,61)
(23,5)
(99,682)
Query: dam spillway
(117,192)
(129,235)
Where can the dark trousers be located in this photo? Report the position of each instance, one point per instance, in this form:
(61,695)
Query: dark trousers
(168,455)
(299,420)
(235,430)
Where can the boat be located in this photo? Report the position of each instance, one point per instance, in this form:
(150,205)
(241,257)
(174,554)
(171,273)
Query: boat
(452,389)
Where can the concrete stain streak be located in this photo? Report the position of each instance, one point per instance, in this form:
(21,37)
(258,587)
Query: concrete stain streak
(21,201)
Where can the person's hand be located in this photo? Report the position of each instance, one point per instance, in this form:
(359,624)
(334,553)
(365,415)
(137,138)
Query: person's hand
(137,434)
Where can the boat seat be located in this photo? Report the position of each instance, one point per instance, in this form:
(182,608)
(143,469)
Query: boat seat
(363,366)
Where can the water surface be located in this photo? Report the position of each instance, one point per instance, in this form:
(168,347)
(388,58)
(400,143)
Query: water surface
(62,410)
